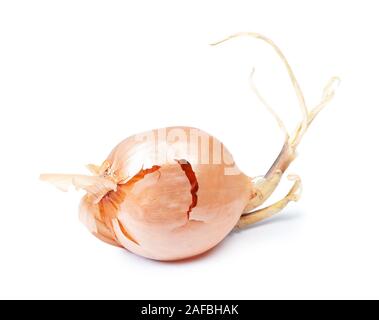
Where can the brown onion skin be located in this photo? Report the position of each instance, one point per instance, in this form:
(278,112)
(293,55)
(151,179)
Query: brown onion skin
(159,210)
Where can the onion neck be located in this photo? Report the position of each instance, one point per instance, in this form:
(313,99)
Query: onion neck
(264,187)
(282,162)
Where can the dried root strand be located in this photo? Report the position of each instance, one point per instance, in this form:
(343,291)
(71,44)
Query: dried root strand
(96,186)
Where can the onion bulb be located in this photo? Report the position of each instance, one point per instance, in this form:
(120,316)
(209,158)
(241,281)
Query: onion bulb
(174,193)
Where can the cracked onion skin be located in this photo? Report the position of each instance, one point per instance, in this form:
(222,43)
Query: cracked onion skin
(168,210)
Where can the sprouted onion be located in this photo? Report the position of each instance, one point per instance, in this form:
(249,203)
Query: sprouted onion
(174,193)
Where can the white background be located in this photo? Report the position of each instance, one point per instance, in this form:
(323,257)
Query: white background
(77,77)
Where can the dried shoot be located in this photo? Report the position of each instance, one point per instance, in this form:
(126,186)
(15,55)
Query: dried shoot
(265,187)
(308,116)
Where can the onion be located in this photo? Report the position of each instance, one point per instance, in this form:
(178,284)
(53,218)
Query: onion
(174,193)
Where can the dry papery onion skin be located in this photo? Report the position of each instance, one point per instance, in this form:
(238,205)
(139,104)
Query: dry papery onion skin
(174,193)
